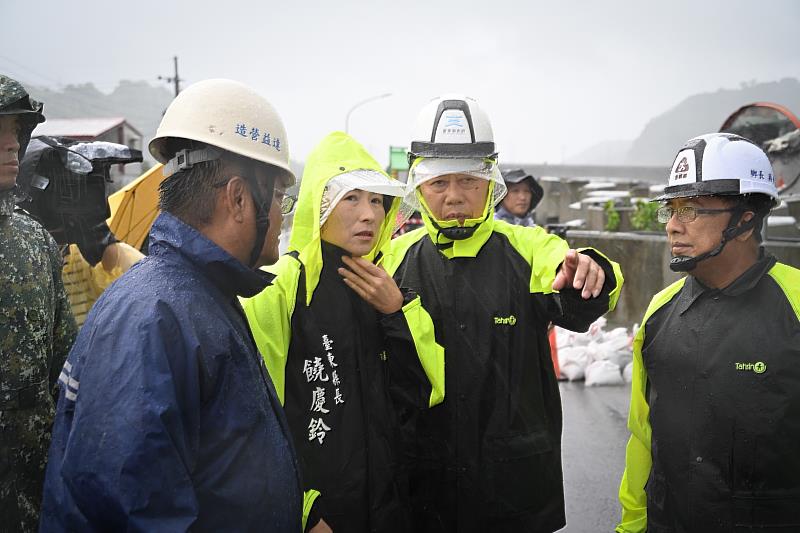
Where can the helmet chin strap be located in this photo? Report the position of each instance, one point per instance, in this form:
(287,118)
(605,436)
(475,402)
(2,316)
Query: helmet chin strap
(262,215)
(683,263)
(459,233)
(455,233)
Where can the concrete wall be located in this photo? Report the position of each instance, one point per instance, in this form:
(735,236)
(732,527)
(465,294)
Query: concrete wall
(560,194)
(644,258)
(655,174)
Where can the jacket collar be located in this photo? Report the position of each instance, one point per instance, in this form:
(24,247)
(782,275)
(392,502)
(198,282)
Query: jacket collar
(504,214)
(332,256)
(171,235)
(748,280)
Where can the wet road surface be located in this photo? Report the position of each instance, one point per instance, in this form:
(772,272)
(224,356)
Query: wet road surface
(593,449)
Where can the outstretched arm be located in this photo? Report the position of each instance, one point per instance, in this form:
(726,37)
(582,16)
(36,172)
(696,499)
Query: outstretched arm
(580,272)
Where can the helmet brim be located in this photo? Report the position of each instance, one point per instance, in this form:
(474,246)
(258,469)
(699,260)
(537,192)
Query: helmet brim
(721,187)
(708,188)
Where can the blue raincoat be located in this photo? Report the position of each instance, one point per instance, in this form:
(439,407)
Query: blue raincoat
(167,419)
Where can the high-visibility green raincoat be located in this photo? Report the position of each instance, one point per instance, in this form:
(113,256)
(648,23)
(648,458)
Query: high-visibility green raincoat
(326,350)
(489,457)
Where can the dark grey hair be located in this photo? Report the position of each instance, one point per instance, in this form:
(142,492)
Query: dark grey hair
(191,194)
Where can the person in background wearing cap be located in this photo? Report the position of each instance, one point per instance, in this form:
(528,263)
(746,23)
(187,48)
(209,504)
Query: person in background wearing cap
(167,419)
(36,322)
(489,457)
(326,327)
(524,194)
(715,400)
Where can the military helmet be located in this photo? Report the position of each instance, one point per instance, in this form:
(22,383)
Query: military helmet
(15,100)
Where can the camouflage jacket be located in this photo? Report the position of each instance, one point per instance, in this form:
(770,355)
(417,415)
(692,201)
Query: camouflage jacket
(36,332)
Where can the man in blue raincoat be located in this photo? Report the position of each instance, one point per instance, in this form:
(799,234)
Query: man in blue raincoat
(167,419)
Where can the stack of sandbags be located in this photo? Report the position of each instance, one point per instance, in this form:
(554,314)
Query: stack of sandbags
(598,356)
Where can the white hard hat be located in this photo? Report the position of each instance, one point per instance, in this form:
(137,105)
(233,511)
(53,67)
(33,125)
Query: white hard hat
(225,114)
(452,135)
(720,164)
(452,126)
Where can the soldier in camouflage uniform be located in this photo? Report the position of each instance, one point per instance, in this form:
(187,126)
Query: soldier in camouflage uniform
(36,325)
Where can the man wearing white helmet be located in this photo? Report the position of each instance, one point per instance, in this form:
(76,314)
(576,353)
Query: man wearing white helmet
(167,419)
(715,400)
(489,457)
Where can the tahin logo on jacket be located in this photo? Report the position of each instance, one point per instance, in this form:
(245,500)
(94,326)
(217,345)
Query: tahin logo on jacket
(758,367)
(509,320)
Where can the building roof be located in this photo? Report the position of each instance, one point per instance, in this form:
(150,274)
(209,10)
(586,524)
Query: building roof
(80,127)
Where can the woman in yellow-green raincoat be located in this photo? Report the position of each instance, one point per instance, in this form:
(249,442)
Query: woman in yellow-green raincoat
(326,328)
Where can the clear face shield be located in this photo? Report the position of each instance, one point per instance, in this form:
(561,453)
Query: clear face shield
(426,169)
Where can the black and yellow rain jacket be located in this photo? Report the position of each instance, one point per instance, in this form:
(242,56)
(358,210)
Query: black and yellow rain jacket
(326,350)
(489,457)
(715,408)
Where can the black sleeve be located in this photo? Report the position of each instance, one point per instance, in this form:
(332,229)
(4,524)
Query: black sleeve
(316,514)
(408,383)
(570,311)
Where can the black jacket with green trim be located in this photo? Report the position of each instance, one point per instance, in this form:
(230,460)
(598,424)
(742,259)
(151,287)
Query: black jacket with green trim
(327,359)
(715,408)
(489,457)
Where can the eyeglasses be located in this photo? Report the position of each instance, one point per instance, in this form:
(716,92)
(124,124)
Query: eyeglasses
(286,202)
(687,213)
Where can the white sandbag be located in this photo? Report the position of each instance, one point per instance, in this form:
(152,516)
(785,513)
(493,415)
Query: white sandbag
(572,362)
(621,358)
(616,333)
(564,337)
(627,373)
(603,373)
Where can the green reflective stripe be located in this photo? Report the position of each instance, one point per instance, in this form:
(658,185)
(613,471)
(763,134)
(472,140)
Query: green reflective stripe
(638,460)
(543,251)
(788,279)
(269,314)
(613,296)
(431,354)
(309,498)
(398,248)
(465,247)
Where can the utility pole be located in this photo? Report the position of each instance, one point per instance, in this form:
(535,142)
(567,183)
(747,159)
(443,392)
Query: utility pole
(175,79)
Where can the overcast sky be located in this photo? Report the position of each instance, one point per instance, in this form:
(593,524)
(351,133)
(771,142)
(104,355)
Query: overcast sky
(555,77)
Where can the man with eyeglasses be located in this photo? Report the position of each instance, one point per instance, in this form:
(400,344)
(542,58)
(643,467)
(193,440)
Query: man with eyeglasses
(715,400)
(167,419)
(489,457)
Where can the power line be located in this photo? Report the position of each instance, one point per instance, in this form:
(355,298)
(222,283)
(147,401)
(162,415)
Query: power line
(59,86)
(32,71)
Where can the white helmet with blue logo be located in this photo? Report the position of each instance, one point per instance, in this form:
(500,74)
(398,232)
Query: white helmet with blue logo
(453,126)
(452,135)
